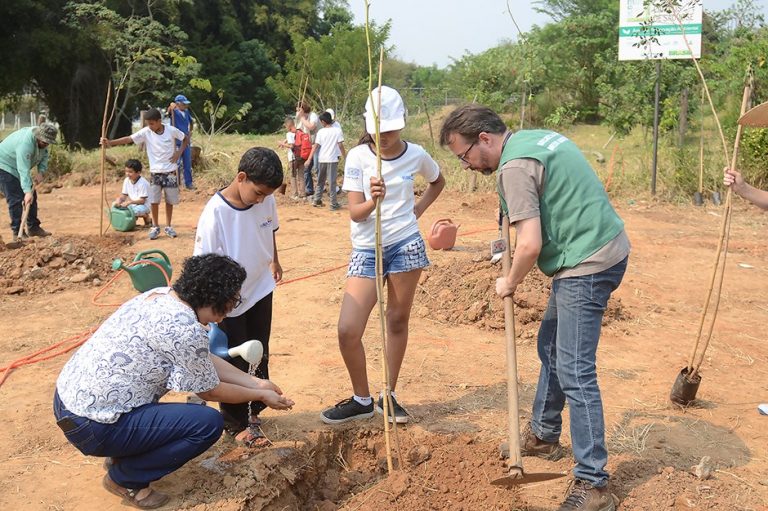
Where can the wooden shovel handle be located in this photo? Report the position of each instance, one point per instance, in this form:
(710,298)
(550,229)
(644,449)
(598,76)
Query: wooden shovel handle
(515,460)
(23,229)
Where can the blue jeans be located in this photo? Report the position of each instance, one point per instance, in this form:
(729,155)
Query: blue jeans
(567,347)
(146,443)
(309,187)
(186,162)
(10,185)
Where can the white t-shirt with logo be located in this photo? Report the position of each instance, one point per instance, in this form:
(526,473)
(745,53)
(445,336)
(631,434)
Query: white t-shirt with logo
(160,148)
(137,190)
(398,220)
(245,235)
(328,139)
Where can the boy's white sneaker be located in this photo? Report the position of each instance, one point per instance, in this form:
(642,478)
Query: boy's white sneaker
(154,232)
(170,232)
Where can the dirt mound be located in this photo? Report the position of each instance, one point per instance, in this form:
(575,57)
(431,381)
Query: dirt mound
(49,265)
(461,290)
(318,473)
(346,469)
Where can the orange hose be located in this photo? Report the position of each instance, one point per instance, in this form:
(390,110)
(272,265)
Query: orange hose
(81,338)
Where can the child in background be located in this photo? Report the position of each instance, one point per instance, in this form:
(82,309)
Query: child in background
(294,157)
(135,192)
(163,155)
(240,221)
(404,252)
(329,144)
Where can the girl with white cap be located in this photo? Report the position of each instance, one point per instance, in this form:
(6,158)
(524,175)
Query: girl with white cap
(404,252)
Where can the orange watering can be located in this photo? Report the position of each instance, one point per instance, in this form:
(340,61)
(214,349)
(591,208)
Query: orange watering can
(442,235)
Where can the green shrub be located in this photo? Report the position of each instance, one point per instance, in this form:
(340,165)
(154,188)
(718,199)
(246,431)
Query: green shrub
(59,162)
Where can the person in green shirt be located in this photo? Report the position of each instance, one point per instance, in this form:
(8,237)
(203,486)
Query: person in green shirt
(20,152)
(566,225)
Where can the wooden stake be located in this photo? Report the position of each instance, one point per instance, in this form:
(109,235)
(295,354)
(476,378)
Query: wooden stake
(387,401)
(104,159)
(718,272)
(701,144)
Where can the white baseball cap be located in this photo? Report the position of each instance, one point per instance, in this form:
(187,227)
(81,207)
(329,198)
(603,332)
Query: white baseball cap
(392,115)
(333,114)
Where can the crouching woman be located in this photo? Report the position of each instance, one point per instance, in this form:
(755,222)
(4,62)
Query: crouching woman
(106,399)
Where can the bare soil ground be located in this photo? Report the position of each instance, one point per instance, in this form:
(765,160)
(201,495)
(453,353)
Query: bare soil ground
(453,380)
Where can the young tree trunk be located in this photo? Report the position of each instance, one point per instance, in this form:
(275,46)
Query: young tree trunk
(682,119)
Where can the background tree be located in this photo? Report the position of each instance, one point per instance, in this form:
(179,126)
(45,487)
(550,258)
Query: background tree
(336,67)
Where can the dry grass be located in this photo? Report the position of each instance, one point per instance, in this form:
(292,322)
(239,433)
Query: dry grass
(625,438)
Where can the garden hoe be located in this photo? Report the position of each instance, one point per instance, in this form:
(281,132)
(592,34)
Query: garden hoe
(516,476)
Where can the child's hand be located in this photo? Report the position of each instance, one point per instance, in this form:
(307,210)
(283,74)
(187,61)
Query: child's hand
(378,190)
(277,271)
(105,142)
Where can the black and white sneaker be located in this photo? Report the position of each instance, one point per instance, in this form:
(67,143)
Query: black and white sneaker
(401,415)
(345,411)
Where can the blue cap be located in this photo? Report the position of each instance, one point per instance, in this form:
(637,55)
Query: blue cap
(181,98)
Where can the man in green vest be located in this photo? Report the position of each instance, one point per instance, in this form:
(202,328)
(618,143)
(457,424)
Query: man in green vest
(564,223)
(20,152)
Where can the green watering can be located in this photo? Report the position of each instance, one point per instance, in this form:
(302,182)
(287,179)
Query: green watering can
(122,219)
(146,276)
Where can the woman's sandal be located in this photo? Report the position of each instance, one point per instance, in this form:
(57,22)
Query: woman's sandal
(152,500)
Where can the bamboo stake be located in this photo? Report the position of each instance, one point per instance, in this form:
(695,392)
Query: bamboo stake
(379,251)
(701,144)
(725,224)
(103,158)
(717,275)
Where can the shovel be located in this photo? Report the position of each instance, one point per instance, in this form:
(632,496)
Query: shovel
(23,229)
(516,476)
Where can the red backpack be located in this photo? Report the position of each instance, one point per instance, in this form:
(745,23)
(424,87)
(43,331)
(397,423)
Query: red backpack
(302,145)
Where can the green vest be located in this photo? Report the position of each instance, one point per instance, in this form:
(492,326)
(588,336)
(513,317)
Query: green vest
(577,218)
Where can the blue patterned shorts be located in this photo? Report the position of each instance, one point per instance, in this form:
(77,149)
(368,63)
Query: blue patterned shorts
(406,255)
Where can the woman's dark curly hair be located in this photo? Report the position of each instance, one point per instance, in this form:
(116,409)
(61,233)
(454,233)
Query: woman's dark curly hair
(210,280)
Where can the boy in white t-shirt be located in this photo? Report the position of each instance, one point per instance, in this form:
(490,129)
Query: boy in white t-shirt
(135,192)
(160,141)
(329,144)
(240,221)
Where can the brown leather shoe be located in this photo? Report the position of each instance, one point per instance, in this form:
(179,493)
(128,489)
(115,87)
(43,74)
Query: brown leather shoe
(152,500)
(38,231)
(531,445)
(582,496)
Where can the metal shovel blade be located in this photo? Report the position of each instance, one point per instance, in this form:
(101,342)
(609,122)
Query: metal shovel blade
(519,478)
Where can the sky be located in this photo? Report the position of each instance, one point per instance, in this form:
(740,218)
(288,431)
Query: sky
(435,31)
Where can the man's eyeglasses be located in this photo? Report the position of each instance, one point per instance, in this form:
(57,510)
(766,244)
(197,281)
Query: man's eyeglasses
(463,155)
(237,302)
